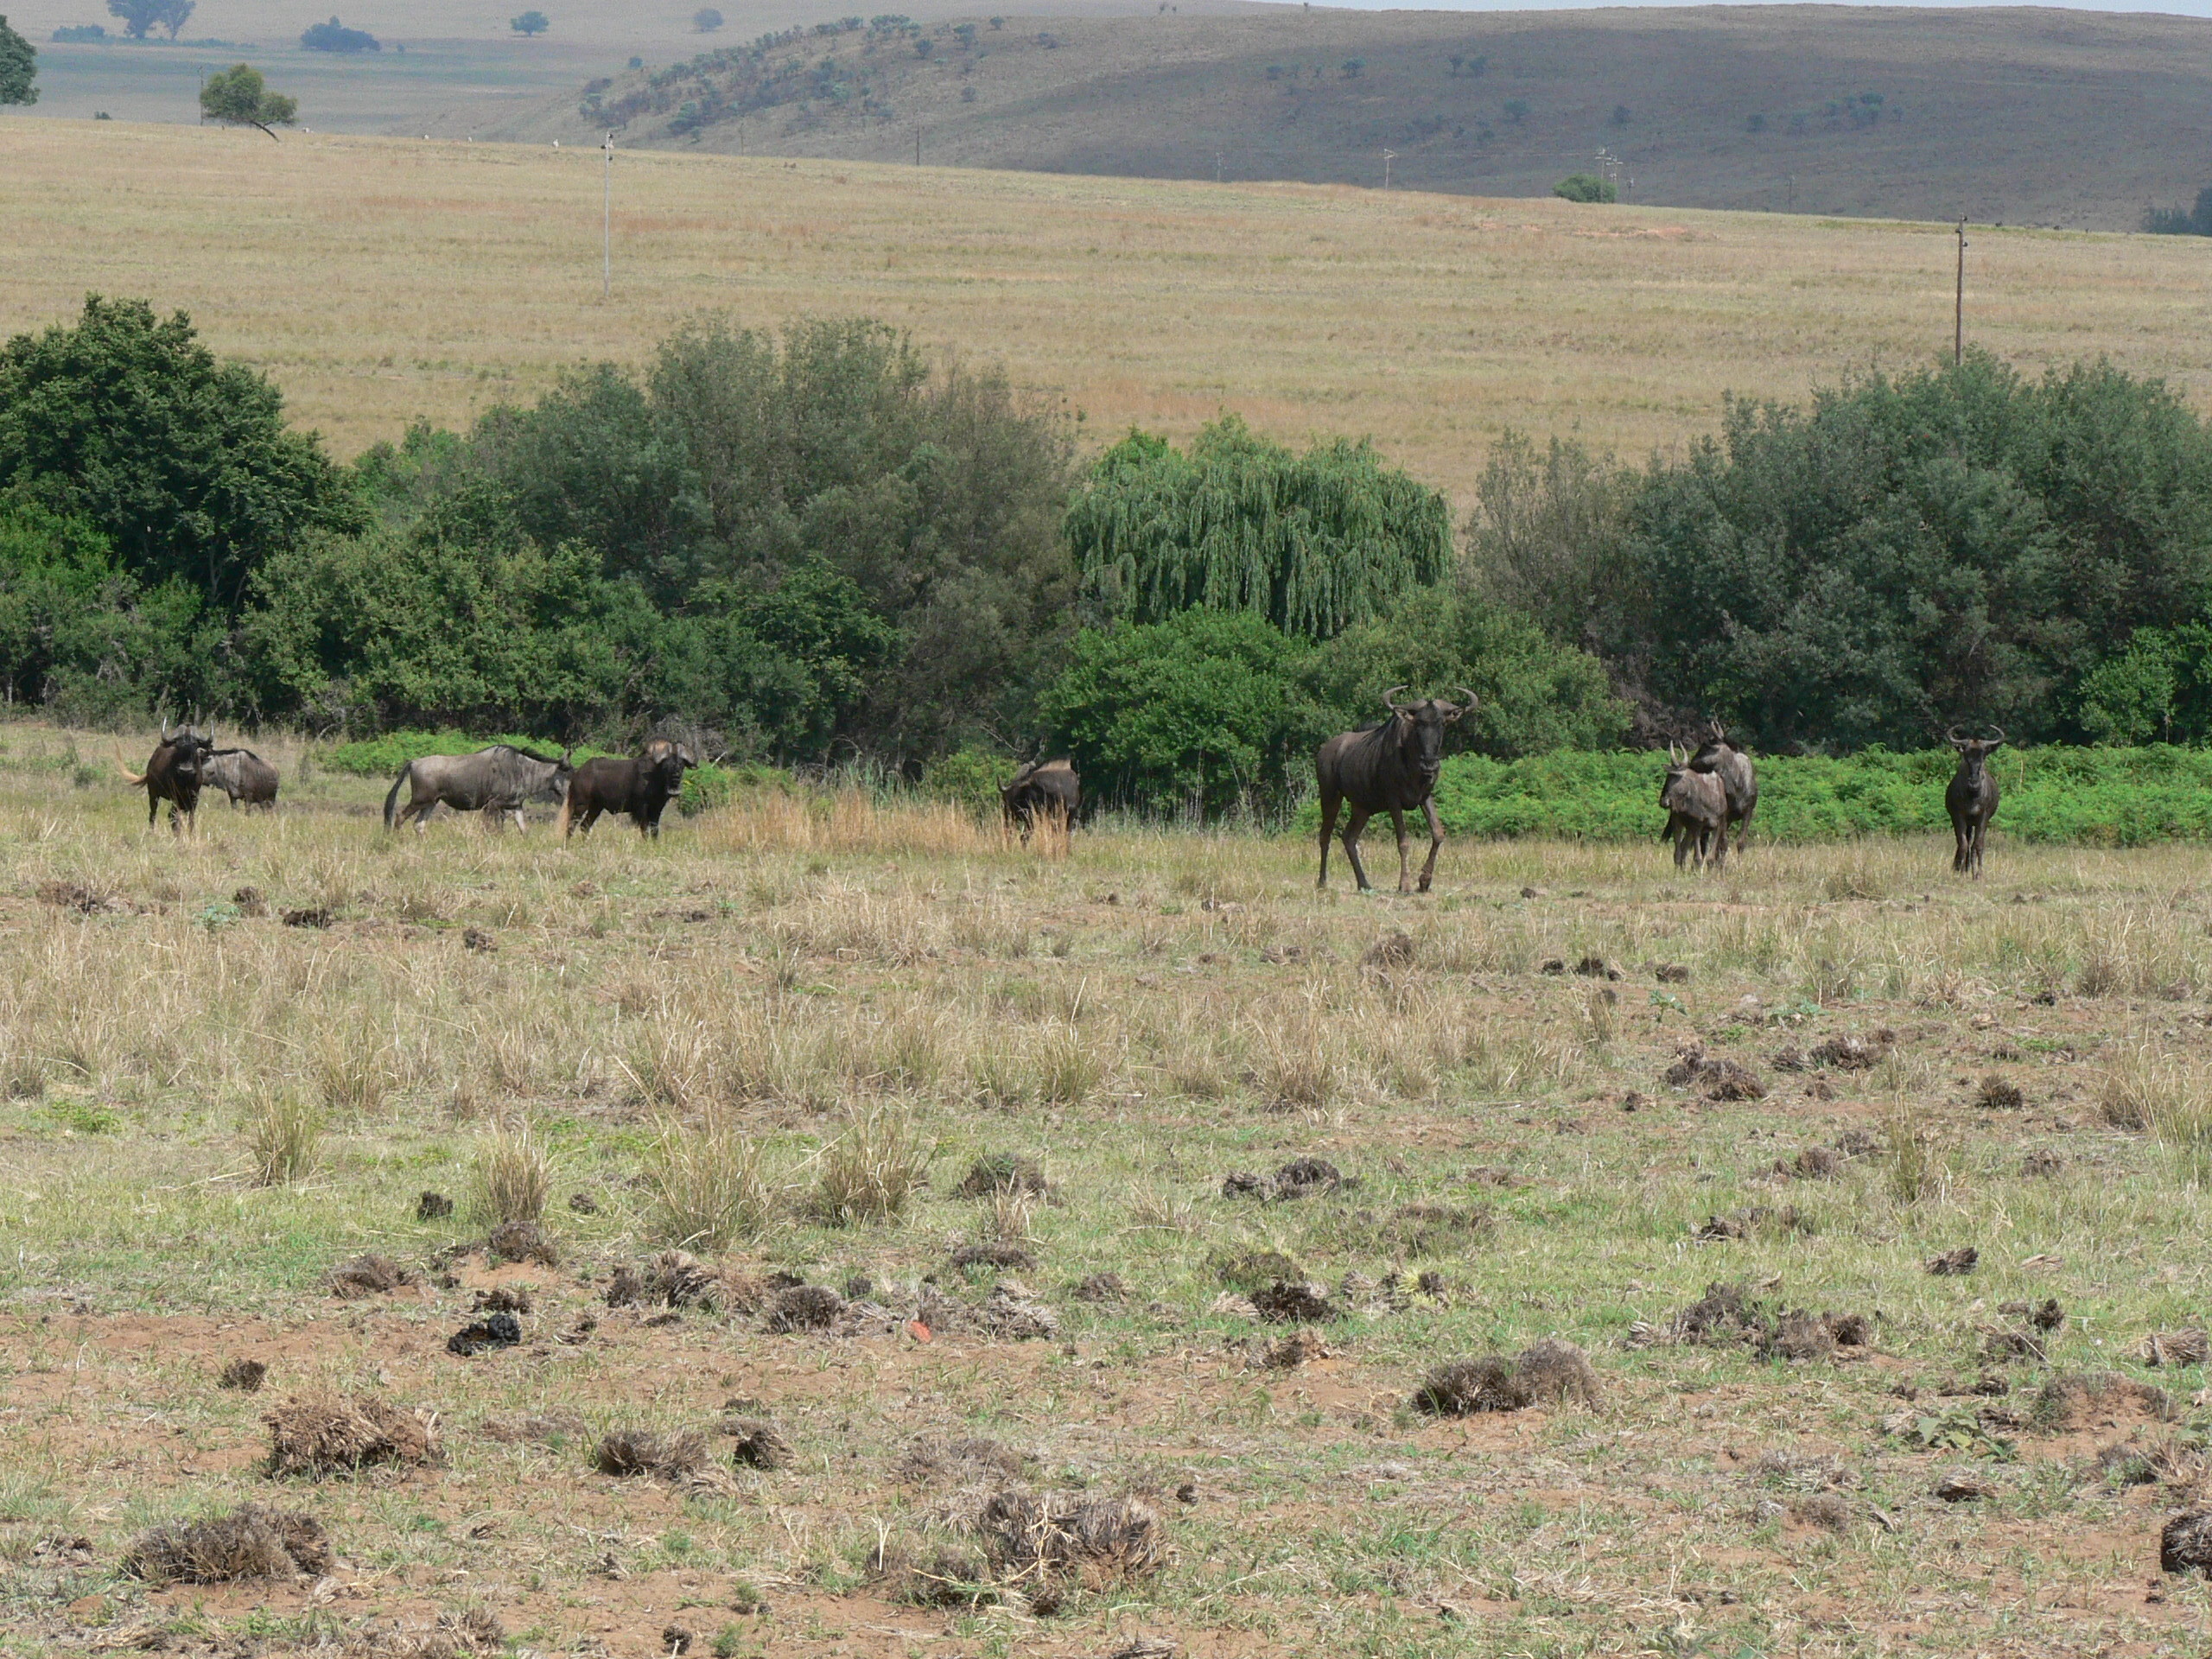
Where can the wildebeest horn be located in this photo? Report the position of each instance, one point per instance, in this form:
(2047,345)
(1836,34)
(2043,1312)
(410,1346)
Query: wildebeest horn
(1951,735)
(165,728)
(1469,696)
(1999,738)
(1389,698)
(1719,732)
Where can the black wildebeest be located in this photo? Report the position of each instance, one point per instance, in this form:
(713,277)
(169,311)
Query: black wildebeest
(493,781)
(1043,789)
(1971,799)
(242,775)
(642,786)
(1697,811)
(1738,779)
(1388,769)
(174,774)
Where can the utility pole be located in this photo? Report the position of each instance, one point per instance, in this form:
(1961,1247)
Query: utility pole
(1389,156)
(1216,166)
(918,143)
(607,225)
(1958,303)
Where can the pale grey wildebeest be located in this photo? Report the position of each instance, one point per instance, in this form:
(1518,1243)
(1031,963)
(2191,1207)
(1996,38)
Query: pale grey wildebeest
(1390,768)
(1697,812)
(1971,799)
(242,775)
(1739,779)
(495,781)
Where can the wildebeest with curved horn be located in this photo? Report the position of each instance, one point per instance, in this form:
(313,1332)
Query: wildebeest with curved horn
(1971,799)
(1738,778)
(242,775)
(493,781)
(1697,811)
(1042,790)
(641,786)
(173,773)
(1390,768)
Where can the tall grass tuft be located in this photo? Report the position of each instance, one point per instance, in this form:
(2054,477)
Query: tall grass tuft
(2143,1090)
(872,1171)
(514,1173)
(1921,1162)
(708,1189)
(284,1136)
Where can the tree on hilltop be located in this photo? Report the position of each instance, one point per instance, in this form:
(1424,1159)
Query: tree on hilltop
(334,36)
(18,66)
(706,20)
(237,96)
(530,24)
(140,18)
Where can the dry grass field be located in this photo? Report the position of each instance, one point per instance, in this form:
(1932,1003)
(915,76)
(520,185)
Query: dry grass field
(978,1349)
(379,281)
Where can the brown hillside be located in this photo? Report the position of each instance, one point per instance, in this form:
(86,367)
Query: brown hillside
(2014,115)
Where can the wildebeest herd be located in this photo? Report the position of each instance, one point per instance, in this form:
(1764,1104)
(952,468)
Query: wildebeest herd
(1391,767)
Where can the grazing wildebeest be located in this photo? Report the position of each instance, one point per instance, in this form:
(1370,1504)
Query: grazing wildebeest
(1737,778)
(1045,790)
(174,774)
(1971,799)
(493,781)
(1388,769)
(1697,811)
(242,775)
(642,787)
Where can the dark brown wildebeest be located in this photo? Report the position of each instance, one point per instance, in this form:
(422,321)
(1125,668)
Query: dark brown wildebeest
(1738,779)
(174,774)
(1697,812)
(1388,769)
(1047,790)
(495,781)
(242,775)
(642,786)
(1971,799)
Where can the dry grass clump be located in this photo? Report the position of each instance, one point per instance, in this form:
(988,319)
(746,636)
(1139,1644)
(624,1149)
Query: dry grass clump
(1713,1076)
(803,1307)
(1091,1538)
(464,1635)
(536,1427)
(1547,1373)
(369,1274)
(283,1138)
(678,1278)
(513,1173)
(872,1171)
(758,1443)
(523,1241)
(707,1185)
(2185,1544)
(325,1434)
(2190,1347)
(246,1375)
(967,1460)
(666,1456)
(250,1542)
(996,1172)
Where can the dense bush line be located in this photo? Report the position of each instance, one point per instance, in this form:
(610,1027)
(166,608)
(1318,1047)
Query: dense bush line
(821,548)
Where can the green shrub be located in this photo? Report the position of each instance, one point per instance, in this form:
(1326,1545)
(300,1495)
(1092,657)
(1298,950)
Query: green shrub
(1585,187)
(971,777)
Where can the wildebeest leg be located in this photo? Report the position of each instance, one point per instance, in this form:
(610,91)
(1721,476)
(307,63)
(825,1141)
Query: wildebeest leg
(153,807)
(1744,826)
(1354,822)
(1330,805)
(1959,846)
(1685,831)
(1405,867)
(1720,845)
(1435,843)
(591,816)
(1979,827)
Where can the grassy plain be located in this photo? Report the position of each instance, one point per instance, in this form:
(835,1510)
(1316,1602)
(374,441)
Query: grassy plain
(382,280)
(797,981)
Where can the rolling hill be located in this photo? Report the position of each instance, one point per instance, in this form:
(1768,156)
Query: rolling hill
(2012,114)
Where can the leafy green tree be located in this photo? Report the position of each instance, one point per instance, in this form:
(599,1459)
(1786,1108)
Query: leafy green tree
(531,23)
(1201,713)
(183,463)
(140,18)
(237,96)
(1534,696)
(706,20)
(1312,543)
(334,36)
(1546,539)
(457,621)
(80,635)
(1955,545)
(18,66)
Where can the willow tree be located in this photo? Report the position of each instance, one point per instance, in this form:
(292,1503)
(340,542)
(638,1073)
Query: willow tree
(1313,543)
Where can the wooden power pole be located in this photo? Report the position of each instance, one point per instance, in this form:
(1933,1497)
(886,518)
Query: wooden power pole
(606,223)
(1959,302)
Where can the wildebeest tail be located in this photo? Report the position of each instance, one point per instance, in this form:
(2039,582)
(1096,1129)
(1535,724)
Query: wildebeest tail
(562,822)
(391,801)
(137,779)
